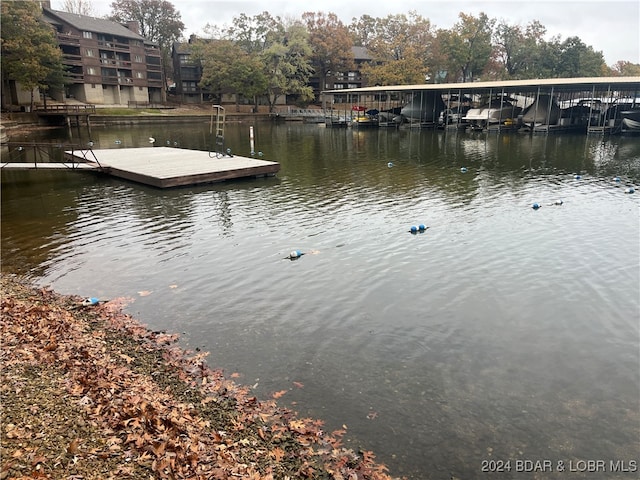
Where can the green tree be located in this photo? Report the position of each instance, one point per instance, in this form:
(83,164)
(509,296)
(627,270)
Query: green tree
(227,68)
(579,60)
(468,46)
(252,33)
(330,43)
(159,22)
(287,65)
(30,52)
(516,48)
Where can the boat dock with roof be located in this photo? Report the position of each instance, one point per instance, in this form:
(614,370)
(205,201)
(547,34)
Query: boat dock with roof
(591,105)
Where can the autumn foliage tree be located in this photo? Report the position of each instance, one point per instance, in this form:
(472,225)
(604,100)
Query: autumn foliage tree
(331,44)
(30,53)
(401,46)
(159,22)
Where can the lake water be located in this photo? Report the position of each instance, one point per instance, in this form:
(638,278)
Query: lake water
(501,333)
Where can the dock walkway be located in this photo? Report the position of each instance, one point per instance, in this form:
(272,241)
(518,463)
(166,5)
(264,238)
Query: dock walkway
(166,167)
(161,167)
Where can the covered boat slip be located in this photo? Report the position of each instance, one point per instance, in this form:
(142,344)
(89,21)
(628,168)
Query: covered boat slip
(554,104)
(165,167)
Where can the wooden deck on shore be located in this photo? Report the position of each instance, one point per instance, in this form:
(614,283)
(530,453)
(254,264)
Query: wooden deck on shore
(165,167)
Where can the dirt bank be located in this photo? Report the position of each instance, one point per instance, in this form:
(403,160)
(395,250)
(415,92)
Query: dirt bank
(89,393)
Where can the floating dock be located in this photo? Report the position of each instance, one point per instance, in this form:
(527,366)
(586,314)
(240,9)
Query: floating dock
(165,167)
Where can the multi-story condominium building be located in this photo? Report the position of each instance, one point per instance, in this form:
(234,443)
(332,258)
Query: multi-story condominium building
(187,73)
(107,63)
(352,78)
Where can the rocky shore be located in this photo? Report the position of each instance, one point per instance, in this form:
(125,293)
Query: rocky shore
(87,392)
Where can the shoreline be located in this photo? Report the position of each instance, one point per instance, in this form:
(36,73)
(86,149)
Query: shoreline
(88,392)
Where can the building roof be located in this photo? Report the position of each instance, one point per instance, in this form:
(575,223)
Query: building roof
(361,53)
(90,24)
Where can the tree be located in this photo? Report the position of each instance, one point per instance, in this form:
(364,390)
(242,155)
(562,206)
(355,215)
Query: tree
(625,69)
(287,65)
(227,68)
(159,22)
(252,33)
(81,7)
(516,48)
(468,45)
(330,43)
(579,60)
(30,52)
(401,47)
(362,30)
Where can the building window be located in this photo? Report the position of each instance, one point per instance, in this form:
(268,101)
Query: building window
(87,35)
(93,85)
(139,75)
(91,52)
(91,71)
(137,58)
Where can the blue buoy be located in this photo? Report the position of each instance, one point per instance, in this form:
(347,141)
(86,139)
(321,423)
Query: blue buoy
(536,206)
(390,164)
(413,229)
(295,254)
(629,190)
(616,179)
(422,227)
(90,301)
(577,177)
(464,170)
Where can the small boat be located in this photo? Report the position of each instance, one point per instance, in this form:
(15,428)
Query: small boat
(544,111)
(454,115)
(630,122)
(364,118)
(497,111)
(425,107)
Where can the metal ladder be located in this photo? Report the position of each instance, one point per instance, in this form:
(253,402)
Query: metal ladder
(219,113)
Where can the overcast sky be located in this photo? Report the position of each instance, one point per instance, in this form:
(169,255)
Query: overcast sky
(611,27)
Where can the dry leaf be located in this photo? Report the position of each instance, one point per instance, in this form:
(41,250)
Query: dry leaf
(279,394)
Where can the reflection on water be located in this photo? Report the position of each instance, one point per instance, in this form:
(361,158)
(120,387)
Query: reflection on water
(501,333)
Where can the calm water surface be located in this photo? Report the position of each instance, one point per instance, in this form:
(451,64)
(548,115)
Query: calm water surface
(501,333)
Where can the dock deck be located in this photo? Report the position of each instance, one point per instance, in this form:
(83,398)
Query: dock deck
(165,167)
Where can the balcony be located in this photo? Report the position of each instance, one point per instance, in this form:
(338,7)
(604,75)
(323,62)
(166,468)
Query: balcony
(68,39)
(116,63)
(69,59)
(114,46)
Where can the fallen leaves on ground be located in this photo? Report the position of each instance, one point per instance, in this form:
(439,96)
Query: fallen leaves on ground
(89,393)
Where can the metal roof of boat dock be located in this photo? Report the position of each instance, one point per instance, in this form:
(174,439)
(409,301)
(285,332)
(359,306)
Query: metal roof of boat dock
(580,84)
